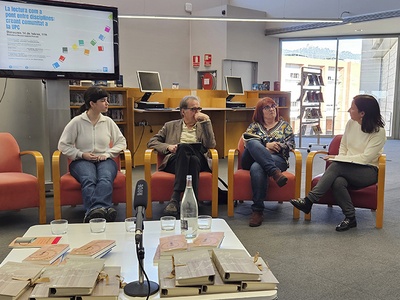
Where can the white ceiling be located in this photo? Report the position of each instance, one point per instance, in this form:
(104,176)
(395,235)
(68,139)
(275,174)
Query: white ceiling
(377,27)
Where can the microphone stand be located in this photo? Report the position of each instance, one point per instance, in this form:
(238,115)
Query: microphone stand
(141,288)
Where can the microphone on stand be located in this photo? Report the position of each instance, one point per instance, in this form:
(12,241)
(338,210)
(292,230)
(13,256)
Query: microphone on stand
(140,205)
(140,288)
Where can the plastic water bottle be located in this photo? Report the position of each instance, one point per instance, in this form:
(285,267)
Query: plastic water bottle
(189,211)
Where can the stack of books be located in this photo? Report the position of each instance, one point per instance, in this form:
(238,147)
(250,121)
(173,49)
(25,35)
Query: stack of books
(227,271)
(77,279)
(51,273)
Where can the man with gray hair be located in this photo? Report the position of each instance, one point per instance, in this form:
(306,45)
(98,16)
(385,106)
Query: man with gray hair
(185,143)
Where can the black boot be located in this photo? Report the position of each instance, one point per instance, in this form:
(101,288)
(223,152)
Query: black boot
(304,204)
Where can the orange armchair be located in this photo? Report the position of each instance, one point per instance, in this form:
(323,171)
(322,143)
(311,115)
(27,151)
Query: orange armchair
(161,184)
(371,197)
(239,183)
(67,191)
(18,189)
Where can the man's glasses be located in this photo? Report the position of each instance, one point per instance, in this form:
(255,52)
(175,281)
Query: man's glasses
(268,107)
(195,109)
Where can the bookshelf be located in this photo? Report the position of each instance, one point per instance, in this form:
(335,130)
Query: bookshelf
(139,125)
(311,97)
(119,109)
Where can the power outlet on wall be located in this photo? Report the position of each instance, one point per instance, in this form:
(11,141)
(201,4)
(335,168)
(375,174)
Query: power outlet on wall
(188,7)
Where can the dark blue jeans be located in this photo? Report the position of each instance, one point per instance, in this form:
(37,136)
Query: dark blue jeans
(96,179)
(261,164)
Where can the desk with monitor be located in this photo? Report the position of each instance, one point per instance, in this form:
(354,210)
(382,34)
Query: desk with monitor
(124,253)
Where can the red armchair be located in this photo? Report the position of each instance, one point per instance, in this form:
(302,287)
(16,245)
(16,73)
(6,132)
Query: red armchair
(67,191)
(371,197)
(20,190)
(161,184)
(239,183)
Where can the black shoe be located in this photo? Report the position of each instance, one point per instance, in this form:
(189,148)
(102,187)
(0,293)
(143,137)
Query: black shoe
(346,224)
(95,213)
(111,214)
(172,208)
(304,204)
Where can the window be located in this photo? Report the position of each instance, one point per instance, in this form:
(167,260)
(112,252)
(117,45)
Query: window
(359,66)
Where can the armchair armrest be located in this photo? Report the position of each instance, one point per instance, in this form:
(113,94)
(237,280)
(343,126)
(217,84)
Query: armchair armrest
(309,168)
(148,158)
(40,177)
(232,153)
(381,190)
(128,181)
(214,168)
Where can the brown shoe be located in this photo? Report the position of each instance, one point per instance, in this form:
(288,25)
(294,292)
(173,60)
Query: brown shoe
(279,178)
(256,219)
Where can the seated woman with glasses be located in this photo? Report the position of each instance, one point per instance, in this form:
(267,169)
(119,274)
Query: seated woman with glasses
(179,140)
(268,141)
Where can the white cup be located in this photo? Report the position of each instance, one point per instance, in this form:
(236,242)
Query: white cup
(204,222)
(59,226)
(130,224)
(168,223)
(97,225)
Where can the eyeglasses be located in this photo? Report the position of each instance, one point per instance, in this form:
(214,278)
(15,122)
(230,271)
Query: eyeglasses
(195,109)
(268,107)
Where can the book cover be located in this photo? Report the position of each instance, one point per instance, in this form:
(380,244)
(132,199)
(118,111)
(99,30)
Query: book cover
(235,265)
(108,288)
(207,240)
(346,160)
(34,242)
(220,286)
(268,280)
(95,248)
(46,255)
(166,279)
(193,268)
(78,277)
(172,244)
(16,278)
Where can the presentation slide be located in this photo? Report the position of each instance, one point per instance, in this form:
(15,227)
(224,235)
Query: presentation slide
(48,38)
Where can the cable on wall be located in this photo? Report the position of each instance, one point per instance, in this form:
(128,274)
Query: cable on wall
(4,90)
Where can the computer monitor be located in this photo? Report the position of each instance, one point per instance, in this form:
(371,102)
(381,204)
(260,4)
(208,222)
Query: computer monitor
(234,86)
(149,83)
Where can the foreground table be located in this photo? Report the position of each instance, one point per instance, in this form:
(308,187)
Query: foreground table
(124,253)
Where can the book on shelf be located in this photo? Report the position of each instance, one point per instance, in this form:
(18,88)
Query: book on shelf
(220,286)
(193,268)
(16,278)
(77,277)
(34,242)
(48,254)
(95,249)
(268,280)
(108,287)
(166,279)
(321,80)
(235,265)
(207,240)
(317,129)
